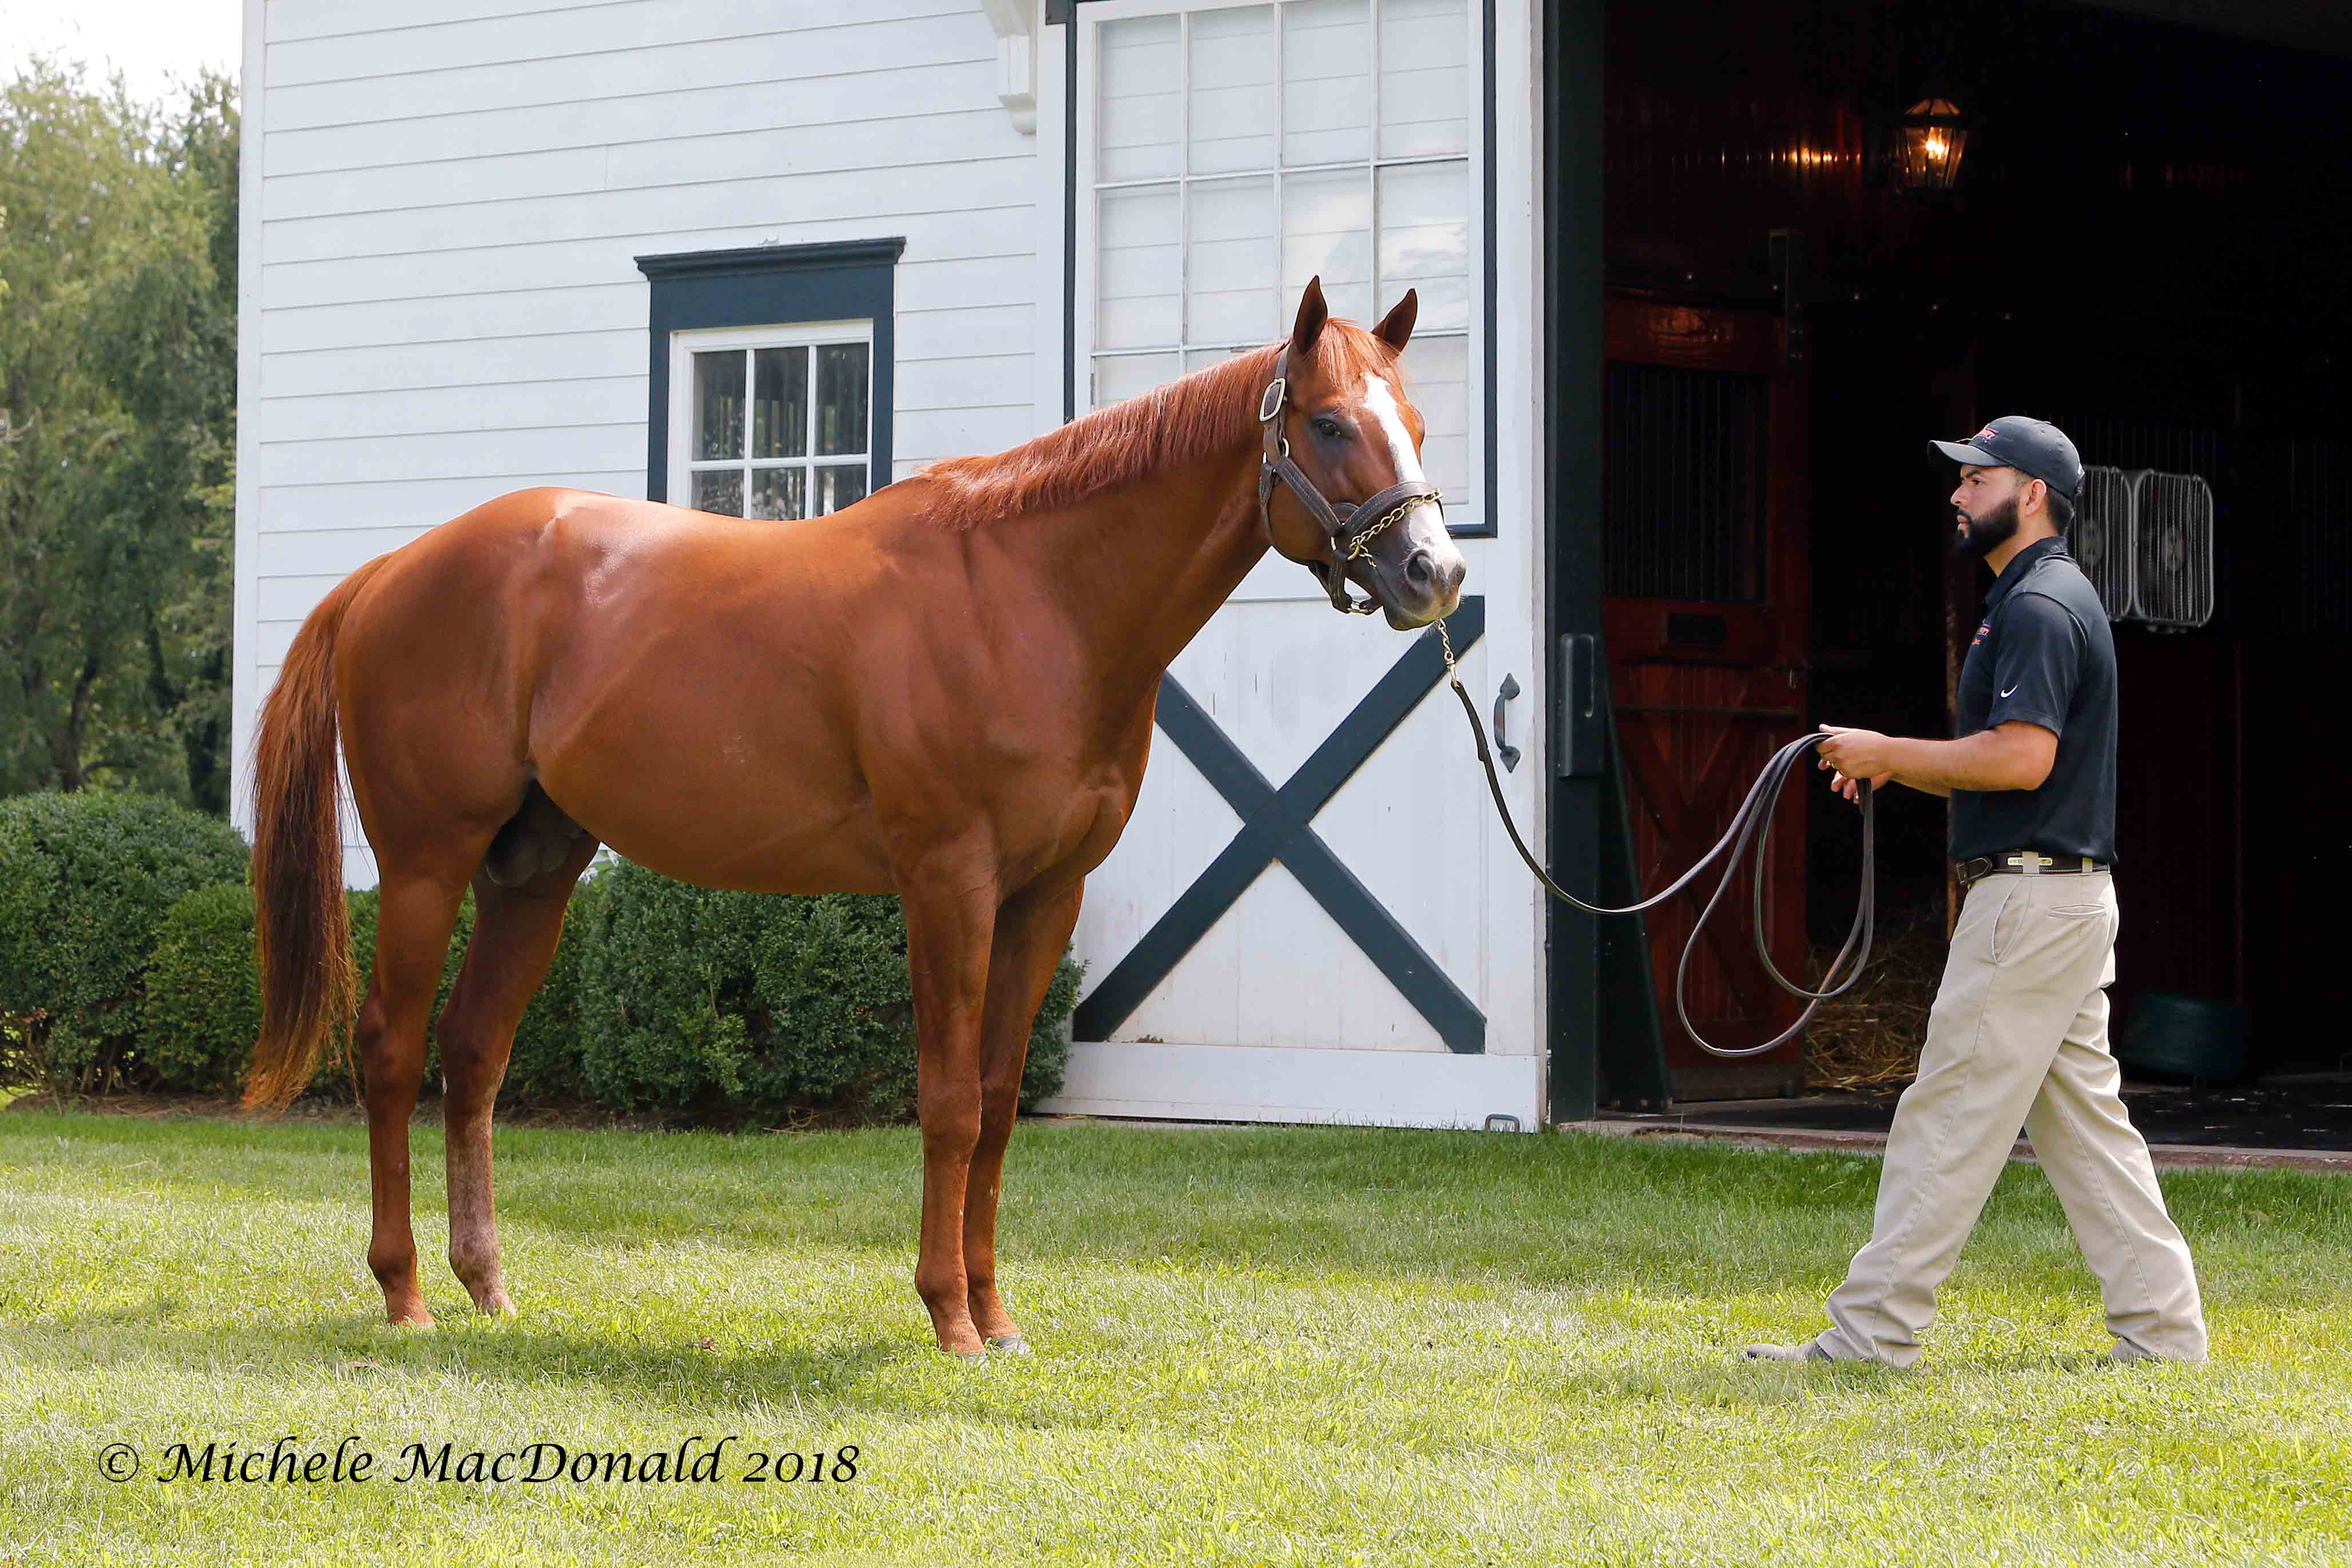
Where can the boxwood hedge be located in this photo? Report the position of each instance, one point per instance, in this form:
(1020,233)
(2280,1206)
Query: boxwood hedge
(728,1006)
(85,881)
(126,961)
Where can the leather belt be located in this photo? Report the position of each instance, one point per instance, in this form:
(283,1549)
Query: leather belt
(2027,863)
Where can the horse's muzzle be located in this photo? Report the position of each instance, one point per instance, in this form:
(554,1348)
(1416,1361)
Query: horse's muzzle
(1424,588)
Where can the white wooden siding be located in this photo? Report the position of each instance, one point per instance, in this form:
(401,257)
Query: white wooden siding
(442,205)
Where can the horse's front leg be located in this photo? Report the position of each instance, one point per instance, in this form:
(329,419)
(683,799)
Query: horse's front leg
(1032,933)
(950,922)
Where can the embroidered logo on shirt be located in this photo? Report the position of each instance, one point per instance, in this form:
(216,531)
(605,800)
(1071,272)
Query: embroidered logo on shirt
(2011,689)
(1981,630)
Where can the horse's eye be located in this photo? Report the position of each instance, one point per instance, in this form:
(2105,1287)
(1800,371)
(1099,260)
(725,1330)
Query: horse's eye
(1329,429)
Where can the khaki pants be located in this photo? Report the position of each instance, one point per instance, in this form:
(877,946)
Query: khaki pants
(2018,1034)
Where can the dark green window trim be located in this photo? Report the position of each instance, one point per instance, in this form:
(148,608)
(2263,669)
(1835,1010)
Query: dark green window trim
(771,285)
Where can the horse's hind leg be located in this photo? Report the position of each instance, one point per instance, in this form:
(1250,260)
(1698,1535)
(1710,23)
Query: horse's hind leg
(414,916)
(516,928)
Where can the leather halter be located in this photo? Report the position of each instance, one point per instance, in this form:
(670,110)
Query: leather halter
(1344,541)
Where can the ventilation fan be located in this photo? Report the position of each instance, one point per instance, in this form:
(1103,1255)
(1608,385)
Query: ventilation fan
(2172,551)
(2146,541)
(2100,537)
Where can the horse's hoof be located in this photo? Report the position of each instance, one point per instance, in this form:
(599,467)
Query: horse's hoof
(500,1305)
(407,1311)
(1010,1344)
(969,1357)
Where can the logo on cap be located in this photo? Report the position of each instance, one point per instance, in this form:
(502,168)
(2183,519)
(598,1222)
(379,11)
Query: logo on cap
(1988,434)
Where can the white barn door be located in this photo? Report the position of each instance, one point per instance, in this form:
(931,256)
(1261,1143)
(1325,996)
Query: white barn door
(1304,920)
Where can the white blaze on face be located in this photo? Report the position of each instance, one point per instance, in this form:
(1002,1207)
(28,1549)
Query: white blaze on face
(1424,526)
(1383,404)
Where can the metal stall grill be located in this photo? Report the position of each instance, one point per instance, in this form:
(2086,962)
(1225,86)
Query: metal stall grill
(1684,516)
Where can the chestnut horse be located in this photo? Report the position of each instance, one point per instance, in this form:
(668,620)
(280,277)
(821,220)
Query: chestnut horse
(945,691)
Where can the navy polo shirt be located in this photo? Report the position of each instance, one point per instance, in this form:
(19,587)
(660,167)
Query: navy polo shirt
(2043,655)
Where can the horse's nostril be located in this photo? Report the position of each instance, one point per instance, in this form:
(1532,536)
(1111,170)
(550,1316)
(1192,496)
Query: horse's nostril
(1419,571)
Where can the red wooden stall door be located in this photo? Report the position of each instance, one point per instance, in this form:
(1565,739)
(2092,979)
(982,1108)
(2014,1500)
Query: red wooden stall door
(1705,616)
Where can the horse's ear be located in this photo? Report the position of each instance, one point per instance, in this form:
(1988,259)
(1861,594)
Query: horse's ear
(1396,328)
(1312,314)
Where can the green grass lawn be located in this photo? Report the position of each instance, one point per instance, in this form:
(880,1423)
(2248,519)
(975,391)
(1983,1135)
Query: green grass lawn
(1253,1346)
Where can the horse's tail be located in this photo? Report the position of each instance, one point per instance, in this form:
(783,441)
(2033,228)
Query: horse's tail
(302,928)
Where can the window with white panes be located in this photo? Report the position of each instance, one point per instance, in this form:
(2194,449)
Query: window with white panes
(771,422)
(1232,152)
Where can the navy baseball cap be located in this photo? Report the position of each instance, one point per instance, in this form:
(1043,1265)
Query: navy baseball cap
(2035,447)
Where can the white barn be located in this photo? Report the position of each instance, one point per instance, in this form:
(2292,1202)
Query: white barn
(503,243)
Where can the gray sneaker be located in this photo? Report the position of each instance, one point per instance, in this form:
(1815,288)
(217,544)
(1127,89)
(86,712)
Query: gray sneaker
(1809,1351)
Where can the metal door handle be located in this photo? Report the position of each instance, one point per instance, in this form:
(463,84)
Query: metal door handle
(1583,730)
(1504,750)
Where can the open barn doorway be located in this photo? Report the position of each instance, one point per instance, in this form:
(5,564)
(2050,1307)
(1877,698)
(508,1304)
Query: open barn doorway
(2135,227)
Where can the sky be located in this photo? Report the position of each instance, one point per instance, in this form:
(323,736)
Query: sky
(153,42)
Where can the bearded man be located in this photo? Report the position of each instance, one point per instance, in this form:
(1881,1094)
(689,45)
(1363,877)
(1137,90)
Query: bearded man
(2019,1032)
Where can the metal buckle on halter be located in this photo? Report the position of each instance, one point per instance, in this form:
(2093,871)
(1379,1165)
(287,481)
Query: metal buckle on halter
(1270,402)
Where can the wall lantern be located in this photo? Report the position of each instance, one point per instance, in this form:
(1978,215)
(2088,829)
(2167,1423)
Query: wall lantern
(1920,151)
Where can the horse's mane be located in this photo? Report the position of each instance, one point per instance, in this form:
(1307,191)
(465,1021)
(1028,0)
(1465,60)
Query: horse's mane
(1210,409)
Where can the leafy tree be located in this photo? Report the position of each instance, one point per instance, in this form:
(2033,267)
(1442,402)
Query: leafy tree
(118,395)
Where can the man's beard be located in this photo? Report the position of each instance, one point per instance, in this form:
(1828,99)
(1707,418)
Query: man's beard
(1984,535)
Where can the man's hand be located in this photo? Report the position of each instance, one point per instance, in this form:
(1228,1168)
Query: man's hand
(1853,757)
(2015,754)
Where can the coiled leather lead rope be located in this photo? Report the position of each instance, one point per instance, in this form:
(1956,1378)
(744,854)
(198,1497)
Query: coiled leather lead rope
(1751,824)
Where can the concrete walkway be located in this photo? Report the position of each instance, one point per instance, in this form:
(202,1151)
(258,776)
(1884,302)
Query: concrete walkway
(1690,1122)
